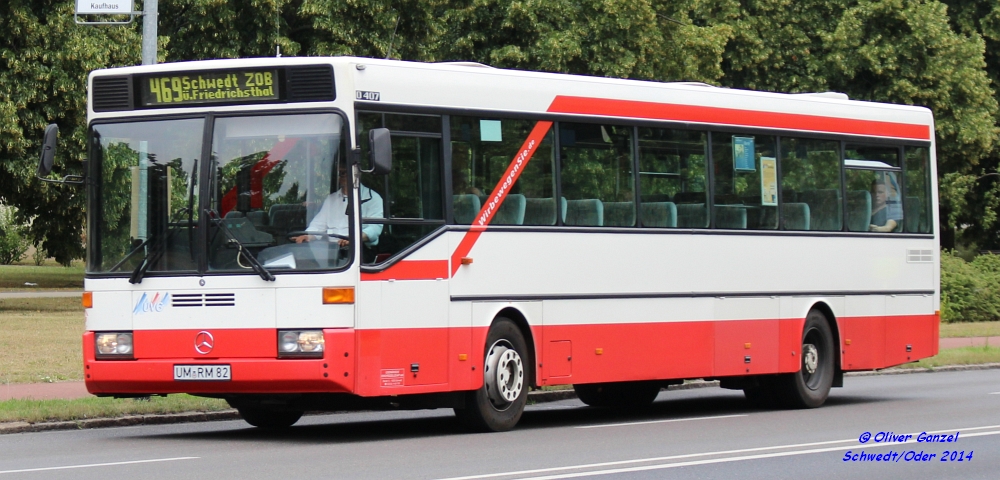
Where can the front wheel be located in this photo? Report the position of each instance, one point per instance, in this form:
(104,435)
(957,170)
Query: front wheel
(498,405)
(268,418)
(810,386)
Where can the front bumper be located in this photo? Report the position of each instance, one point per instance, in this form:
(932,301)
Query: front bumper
(334,373)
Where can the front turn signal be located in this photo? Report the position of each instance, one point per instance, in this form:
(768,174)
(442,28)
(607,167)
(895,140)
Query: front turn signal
(88,299)
(338,295)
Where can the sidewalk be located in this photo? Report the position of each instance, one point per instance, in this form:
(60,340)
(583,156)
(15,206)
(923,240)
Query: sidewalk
(44,294)
(72,390)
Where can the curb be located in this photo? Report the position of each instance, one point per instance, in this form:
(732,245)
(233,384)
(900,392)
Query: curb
(536,397)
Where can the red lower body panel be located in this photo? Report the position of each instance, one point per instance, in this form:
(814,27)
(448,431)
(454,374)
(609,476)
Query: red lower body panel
(426,360)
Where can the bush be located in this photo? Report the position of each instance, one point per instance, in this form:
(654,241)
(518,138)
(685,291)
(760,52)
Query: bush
(970,291)
(40,255)
(13,241)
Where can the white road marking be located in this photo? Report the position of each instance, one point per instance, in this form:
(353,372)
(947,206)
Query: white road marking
(111,464)
(708,454)
(994,393)
(660,421)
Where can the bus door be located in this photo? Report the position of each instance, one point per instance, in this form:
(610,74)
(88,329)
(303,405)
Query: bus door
(405,335)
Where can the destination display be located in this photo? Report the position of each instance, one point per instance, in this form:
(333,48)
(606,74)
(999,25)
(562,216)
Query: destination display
(220,86)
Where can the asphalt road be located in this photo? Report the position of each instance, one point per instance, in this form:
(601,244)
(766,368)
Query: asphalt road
(702,433)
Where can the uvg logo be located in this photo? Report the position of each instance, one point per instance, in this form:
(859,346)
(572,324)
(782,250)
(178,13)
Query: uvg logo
(148,305)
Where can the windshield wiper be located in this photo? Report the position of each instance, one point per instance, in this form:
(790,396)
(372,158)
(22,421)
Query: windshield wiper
(257,267)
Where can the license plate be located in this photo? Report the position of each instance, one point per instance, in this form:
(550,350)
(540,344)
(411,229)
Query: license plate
(211,373)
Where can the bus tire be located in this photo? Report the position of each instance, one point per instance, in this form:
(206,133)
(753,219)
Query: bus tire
(810,386)
(497,405)
(269,419)
(618,395)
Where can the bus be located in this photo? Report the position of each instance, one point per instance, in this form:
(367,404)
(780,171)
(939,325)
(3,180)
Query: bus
(321,234)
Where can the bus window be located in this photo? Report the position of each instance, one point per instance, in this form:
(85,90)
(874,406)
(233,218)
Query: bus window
(746,181)
(596,175)
(874,200)
(412,193)
(917,203)
(274,177)
(673,178)
(810,184)
(148,195)
(481,152)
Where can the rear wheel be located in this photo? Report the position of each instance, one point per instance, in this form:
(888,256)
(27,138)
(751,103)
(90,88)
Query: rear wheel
(498,405)
(269,418)
(618,395)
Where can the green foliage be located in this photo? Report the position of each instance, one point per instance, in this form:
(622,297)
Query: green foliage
(13,241)
(44,61)
(39,255)
(970,291)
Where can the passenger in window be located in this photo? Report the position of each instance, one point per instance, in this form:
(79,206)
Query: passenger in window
(333,215)
(883,218)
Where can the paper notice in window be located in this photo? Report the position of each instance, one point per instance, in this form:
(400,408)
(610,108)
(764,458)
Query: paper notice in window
(768,181)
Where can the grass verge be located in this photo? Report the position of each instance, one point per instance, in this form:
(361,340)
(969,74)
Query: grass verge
(34,411)
(959,356)
(970,329)
(40,340)
(45,277)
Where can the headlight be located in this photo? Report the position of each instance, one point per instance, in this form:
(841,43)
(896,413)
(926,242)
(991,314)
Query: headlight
(300,343)
(114,345)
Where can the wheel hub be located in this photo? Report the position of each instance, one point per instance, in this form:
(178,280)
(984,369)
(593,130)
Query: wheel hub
(810,358)
(504,374)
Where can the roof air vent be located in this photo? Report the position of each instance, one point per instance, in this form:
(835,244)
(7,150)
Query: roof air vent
(313,83)
(112,93)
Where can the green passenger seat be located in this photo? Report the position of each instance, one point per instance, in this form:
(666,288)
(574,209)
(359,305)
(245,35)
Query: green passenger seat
(824,208)
(692,215)
(619,214)
(511,211)
(731,216)
(588,212)
(859,210)
(659,214)
(539,211)
(466,207)
(796,216)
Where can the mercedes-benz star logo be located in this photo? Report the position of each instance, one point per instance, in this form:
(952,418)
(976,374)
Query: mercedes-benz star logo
(204,342)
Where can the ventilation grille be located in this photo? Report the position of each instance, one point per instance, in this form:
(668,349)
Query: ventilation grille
(112,93)
(310,84)
(203,300)
(920,256)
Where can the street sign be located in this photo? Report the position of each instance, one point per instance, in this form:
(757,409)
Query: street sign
(104,7)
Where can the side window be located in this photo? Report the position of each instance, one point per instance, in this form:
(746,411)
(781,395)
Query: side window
(411,194)
(746,181)
(596,175)
(874,193)
(810,185)
(482,149)
(673,181)
(917,202)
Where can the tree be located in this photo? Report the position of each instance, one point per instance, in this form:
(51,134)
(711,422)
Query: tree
(44,62)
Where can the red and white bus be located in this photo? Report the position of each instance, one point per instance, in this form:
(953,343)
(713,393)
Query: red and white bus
(297,234)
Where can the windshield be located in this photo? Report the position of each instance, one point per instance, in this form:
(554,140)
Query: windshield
(280,191)
(278,195)
(147,188)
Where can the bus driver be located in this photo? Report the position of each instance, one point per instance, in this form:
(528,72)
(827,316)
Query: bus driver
(332,216)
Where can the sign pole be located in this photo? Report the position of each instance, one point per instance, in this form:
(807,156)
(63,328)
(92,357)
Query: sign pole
(149,8)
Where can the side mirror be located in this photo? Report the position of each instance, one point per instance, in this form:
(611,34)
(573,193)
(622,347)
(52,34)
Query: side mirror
(380,143)
(48,154)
